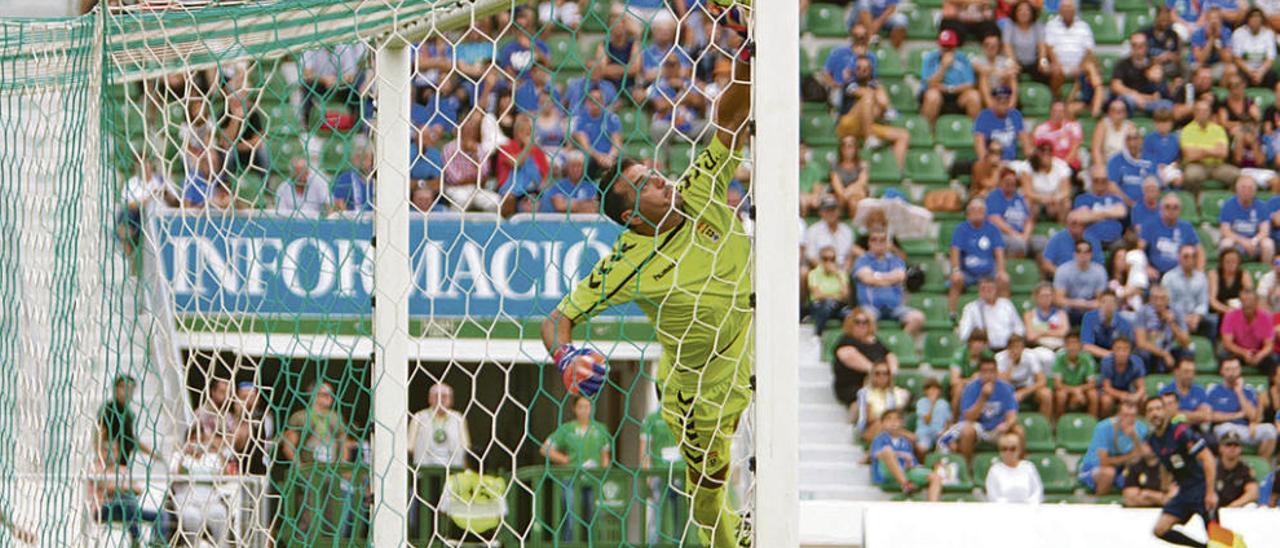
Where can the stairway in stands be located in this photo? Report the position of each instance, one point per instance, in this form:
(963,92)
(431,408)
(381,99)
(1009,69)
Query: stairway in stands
(830,466)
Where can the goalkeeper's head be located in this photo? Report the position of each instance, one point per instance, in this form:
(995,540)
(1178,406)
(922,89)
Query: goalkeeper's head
(640,198)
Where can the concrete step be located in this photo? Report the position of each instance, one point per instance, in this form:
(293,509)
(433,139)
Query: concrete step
(829,453)
(819,373)
(833,473)
(828,491)
(823,412)
(833,432)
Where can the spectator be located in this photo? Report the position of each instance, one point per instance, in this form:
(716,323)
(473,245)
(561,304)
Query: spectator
(987,410)
(466,169)
(1121,377)
(583,444)
(865,107)
(1046,323)
(895,460)
(1164,44)
(829,232)
(1108,137)
(984,174)
(675,103)
(427,164)
(1008,211)
(1269,493)
(1063,245)
(1235,109)
(522,56)
(1185,98)
(316,433)
(1075,375)
(881,275)
(855,352)
(597,132)
(254,432)
(1146,484)
(1253,47)
(1062,133)
(522,168)
(117,425)
(1147,208)
(1012,479)
(1025,370)
(353,188)
(1243,223)
(828,291)
(1227,282)
(996,71)
(838,69)
(977,252)
(572,193)
(1160,334)
(881,15)
(659,450)
(1247,149)
(814,183)
(1070,47)
(214,414)
(1116,443)
(1161,147)
(1128,168)
(878,396)
(933,415)
(1236,411)
(241,138)
(618,58)
(1166,236)
(439,435)
(550,127)
(1046,182)
(1235,484)
(1102,210)
(1189,293)
(203,514)
(1246,333)
(1211,41)
(1129,79)
(113,495)
(202,188)
(995,316)
(1270,401)
(1023,39)
(1001,122)
(140,191)
(332,72)
(305,195)
(947,81)
(969,19)
(964,364)
(1193,400)
(1269,287)
(1100,327)
(1204,150)
(1232,11)
(849,176)
(1186,16)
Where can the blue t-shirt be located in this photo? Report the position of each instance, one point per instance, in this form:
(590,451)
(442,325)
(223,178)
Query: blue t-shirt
(879,297)
(1109,230)
(354,189)
(1002,130)
(518,59)
(1161,149)
(1140,214)
(1273,205)
(1094,331)
(1177,448)
(196,189)
(1188,10)
(977,247)
(599,130)
(841,62)
(1195,396)
(1013,209)
(1129,172)
(1243,220)
(958,74)
(581,191)
(1224,400)
(1163,242)
(1224,5)
(1271,145)
(523,180)
(998,404)
(1108,436)
(576,93)
(428,165)
(876,7)
(901,447)
(1267,489)
(653,56)
(1123,381)
(1061,248)
(1200,38)
(441,112)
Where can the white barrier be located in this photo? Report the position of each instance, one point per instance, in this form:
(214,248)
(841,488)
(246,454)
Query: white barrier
(980,525)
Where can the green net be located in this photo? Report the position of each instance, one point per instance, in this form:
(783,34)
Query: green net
(189,288)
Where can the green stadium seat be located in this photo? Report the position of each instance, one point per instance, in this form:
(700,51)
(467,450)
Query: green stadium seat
(1256,271)
(921,25)
(1075,431)
(934,307)
(806,63)
(819,129)
(922,248)
(679,157)
(1263,97)
(945,230)
(820,60)
(915,60)
(1105,29)
(826,21)
(1134,22)
(1039,434)
(1190,211)
(1054,473)
(902,96)
(1144,124)
(1207,240)
(282,149)
(1135,7)
(1259,465)
(1202,349)
(901,345)
(1024,275)
(635,123)
(883,167)
(1156,383)
(1211,205)
(926,167)
(956,475)
(1106,63)
(912,380)
(982,463)
(889,64)
(1034,99)
(829,338)
(596,17)
(1256,382)
(940,346)
(935,277)
(921,134)
(640,150)
(955,131)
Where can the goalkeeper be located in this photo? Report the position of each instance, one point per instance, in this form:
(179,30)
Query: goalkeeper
(685,260)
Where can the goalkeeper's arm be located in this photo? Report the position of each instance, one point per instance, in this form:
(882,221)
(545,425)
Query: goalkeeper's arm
(557,331)
(733,107)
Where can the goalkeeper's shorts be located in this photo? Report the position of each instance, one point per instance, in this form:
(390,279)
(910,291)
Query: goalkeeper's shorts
(704,418)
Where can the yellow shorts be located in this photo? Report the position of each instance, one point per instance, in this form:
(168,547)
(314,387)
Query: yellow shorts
(704,418)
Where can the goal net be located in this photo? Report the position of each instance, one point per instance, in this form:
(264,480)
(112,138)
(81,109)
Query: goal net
(295,273)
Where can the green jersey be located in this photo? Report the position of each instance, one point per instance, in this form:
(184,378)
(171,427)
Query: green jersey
(319,435)
(582,445)
(1081,372)
(661,443)
(692,281)
(813,174)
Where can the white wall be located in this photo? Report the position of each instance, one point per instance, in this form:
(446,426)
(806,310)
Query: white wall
(38,8)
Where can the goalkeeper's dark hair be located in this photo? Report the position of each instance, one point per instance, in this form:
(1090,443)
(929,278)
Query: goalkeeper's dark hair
(615,203)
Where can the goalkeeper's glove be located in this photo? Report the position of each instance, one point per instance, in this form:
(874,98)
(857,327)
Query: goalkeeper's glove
(733,15)
(582,369)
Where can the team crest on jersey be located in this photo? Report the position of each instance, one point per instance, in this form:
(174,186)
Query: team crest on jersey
(708,231)
(984,243)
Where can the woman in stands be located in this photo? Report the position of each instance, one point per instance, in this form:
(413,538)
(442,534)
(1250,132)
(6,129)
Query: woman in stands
(849,175)
(202,512)
(1024,40)
(1012,479)
(875,398)
(1047,325)
(855,352)
(1108,135)
(1227,281)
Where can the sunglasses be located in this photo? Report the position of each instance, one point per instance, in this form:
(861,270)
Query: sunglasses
(829,259)
(861,321)
(1009,449)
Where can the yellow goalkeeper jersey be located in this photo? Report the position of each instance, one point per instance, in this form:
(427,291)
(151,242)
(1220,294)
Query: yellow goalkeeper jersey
(693,281)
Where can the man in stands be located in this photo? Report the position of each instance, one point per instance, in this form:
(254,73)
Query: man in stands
(1129,168)
(880,275)
(1189,294)
(829,232)
(1205,149)
(1115,445)
(948,83)
(1244,223)
(1236,411)
(1121,377)
(987,410)
(1248,334)
(1160,334)
(1025,370)
(1002,122)
(1075,377)
(1007,209)
(1070,45)
(1166,237)
(1128,80)
(895,459)
(1061,247)
(1102,326)
(1236,485)
(1102,211)
(992,314)
(977,252)
(1193,400)
(865,106)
